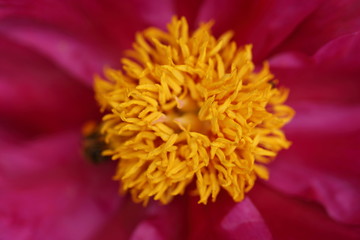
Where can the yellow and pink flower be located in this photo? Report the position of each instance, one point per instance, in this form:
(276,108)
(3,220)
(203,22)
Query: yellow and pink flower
(190,135)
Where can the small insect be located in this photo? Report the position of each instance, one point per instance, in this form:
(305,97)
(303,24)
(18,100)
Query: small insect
(274,83)
(93,144)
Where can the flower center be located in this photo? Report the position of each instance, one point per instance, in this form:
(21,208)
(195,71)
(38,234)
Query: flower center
(190,108)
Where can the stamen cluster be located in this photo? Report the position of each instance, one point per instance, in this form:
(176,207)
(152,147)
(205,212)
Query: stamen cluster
(190,108)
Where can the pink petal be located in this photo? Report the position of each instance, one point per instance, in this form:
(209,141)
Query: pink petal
(47,190)
(154,13)
(162,222)
(225,219)
(133,221)
(330,76)
(36,97)
(107,21)
(122,222)
(78,58)
(190,9)
(331,20)
(342,53)
(82,36)
(186,220)
(315,84)
(290,218)
(265,24)
(323,163)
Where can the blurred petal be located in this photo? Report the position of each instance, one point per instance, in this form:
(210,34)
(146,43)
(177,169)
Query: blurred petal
(226,219)
(82,36)
(322,85)
(79,59)
(342,53)
(162,223)
(106,20)
(122,222)
(154,13)
(289,218)
(331,76)
(133,221)
(334,18)
(290,60)
(265,24)
(47,190)
(36,97)
(189,9)
(328,170)
(323,163)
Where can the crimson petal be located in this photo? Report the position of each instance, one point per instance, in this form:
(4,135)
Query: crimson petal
(290,218)
(265,24)
(323,163)
(226,219)
(47,189)
(36,97)
(333,19)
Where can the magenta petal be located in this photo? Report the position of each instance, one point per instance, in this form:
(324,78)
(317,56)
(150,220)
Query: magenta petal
(319,78)
(162,222)
(342,53)
(323,163)
(189,9)
(36,97)
(133,221)
(322,119)
(122,222)
(226,219)
(154,13)
(83,36)
(263,23)
(78,58)
(340,196)
(84,13)
(334,18)
(290,61)
(289,218)
(86,28)
(48,189)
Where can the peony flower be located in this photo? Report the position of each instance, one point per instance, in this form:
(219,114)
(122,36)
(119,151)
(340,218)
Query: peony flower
(50,51)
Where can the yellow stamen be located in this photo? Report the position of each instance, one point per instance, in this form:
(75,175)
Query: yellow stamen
(190,108)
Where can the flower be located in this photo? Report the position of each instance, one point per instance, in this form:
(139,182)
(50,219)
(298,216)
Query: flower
(49,53)
(186,107)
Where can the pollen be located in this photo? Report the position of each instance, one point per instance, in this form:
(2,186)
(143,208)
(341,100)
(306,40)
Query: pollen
(189,113)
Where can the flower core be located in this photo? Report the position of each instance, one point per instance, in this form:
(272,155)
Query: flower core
(189,112)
